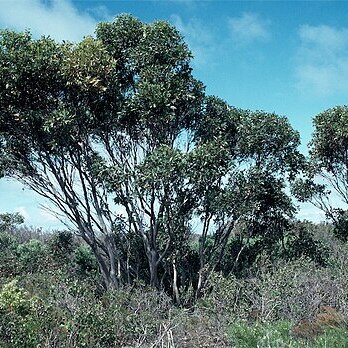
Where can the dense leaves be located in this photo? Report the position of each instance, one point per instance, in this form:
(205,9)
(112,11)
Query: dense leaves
(120,137)
(325,179)
(330,140)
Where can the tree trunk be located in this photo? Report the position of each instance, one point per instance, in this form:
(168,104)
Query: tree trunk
(175,283)
(200,282)
(114,275)
(107,268)
(109,280)
(153,266)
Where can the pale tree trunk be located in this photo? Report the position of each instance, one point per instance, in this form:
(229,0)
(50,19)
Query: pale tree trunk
(114,261)
(175,283)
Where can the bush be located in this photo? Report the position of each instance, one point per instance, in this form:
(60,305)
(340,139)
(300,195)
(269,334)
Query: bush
(8,221)
(303,244)
(8,258)
(341,225)
(32,255)
(84,260)
(19,322)
(62,245)
(260,335)
(284,291)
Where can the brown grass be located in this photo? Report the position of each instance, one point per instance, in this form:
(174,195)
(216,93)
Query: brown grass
(328,317)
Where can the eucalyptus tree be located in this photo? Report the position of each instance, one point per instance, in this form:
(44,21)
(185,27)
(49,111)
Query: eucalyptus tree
(146,160)
(118,135)
(46,123)
(243,162)
(78,120)
(327,169)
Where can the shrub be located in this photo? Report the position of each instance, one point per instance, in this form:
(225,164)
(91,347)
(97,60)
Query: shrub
(84,260)
(19,323)
(32,255)
(62,245)
(283,291)
(8,258)
(303,244)
(260,335)
(8,221)
(341,225)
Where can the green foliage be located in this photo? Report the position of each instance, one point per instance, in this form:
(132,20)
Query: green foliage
(278,334)
(330,139)
(13,298)
(62,245)
(306,189)
(8,258)
(84,260)
(163,167)
(243,335)
(327,164)
(218,121)
(9,220)
(32,255)
(8,241)
(301,243)
(260,198)
(341,225)
(19,322)
(270,142)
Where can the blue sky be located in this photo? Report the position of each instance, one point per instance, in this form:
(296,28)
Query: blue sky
(287,57)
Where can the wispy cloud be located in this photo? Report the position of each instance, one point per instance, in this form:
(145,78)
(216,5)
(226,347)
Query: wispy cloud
(322,60)
(23,211)
(310,213)
(58,18)
(248,28)
(198,37)
(48,216)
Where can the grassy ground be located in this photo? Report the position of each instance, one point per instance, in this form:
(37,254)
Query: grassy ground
(281,335)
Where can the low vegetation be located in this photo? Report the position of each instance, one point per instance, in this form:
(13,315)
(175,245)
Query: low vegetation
(50,296)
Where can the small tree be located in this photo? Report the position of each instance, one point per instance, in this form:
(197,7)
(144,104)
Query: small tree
(327,167)
(245,160)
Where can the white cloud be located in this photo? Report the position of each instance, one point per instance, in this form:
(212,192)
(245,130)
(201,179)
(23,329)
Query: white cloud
(324,37)
(249,27)
(57,18)
(101,12)
(23,211)
(198,37)
(48,216)
(309,212)
(322,60)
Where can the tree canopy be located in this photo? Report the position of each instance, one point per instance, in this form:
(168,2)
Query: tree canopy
(120,137)
(325,182)
(327,166)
